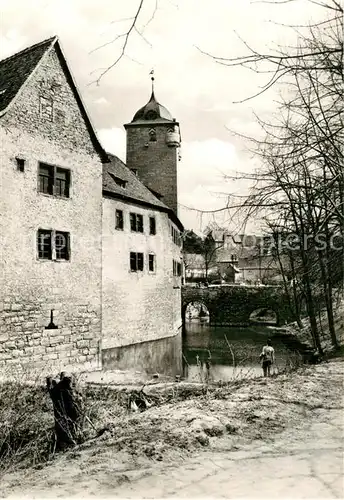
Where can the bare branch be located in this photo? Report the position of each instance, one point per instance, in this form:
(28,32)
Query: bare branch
(126,40)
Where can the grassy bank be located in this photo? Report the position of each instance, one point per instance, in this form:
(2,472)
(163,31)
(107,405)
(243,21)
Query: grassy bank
(304,337)
(183,418)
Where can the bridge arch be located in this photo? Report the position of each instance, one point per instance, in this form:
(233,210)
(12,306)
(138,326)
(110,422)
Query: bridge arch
(196,310)
(264,315)
(186,304)
(233,305)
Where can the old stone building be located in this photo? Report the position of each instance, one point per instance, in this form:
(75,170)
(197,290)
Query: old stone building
(231,258)
(90,256)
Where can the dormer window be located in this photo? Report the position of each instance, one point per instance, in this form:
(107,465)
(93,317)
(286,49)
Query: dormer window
(120,182)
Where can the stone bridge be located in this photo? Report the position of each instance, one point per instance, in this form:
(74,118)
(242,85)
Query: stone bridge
(233,304)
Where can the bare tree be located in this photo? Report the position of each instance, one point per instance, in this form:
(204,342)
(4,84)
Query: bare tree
(302,182)
(300,189)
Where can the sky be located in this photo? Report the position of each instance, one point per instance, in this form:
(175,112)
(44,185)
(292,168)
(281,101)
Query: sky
(202,95)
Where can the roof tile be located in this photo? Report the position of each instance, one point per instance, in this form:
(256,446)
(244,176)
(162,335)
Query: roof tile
(134,188)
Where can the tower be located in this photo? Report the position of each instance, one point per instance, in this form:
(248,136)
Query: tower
(153,140)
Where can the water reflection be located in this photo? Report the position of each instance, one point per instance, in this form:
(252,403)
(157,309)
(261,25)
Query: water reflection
(224,353)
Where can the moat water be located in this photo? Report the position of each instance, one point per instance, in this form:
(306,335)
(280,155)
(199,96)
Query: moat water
(233,351)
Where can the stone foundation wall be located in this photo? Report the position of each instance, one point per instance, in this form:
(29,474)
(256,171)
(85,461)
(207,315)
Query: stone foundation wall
(25,342)
(162,356)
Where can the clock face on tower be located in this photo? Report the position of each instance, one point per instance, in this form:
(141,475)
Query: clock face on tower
(151,115)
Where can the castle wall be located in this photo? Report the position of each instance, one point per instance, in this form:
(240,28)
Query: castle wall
(30,288)
(139,307)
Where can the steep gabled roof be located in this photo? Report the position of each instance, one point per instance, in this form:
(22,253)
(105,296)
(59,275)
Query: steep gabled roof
(16,70)
(121,183)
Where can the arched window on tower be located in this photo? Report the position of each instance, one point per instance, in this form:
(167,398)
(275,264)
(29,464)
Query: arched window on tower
(152,134)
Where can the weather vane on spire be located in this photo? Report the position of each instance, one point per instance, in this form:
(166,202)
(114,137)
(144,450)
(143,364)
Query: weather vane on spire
(152,78)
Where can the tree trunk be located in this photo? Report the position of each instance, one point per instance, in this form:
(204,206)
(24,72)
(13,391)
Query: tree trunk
(295,295)
(328,300)
(66,411)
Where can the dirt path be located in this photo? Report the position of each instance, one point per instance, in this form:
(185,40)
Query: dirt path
(305,460)
(304,463)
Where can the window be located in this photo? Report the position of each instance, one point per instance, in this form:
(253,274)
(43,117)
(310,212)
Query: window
(62,182)
(119,219)
(152,135)
(120,182)
(20,164)
(139,219)
(175,235)
(46,178)
(136,222)
(53,245)
(151,262)
(136,261)
(61,245)
(234,257)
(46,108)
(152,225)
(151,115)
(44,244)
(53,180)
(177,268)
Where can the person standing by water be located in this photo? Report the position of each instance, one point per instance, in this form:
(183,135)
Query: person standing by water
(208,367)
(267,358)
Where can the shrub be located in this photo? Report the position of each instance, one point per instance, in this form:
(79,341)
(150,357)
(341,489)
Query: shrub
(26,424)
